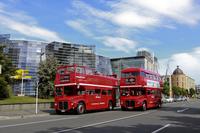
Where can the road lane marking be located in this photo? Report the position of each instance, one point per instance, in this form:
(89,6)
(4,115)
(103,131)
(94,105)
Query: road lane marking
(36,122)
(104,122)
(180,111)
(158,130)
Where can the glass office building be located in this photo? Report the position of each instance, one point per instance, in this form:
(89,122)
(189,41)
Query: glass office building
(143,60)
(103,65)
(69,54)
(25,55)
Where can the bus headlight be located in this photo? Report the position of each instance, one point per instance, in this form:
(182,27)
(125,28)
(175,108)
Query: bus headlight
(55,104)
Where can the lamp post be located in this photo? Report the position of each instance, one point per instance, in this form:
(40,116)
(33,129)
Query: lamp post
(22,83)
(0,69)
(36,99)
(37,83)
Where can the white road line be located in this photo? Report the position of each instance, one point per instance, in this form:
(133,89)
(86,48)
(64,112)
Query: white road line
(104,122)
(158,130)
(36,122)
(180,111)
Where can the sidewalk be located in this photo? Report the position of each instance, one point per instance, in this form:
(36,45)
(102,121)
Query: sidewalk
(17,114)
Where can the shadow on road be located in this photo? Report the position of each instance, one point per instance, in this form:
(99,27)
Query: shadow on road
(140,128)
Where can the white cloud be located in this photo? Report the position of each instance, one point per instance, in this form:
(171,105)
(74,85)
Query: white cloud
(188,62)
(125,18)
(20,22)
(182,11)
(79,25)
(133,19)
(145,13)
(120,44)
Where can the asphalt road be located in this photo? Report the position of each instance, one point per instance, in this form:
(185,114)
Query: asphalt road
(183,117)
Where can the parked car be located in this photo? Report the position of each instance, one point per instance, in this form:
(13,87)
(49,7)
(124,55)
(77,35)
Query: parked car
(163,99)
(169,99)
(184,98)
(178,99)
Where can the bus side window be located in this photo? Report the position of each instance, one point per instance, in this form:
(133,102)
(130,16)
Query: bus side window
(80,70)
(109,92)
(81,92)
(104,92)
(143,92)
(97,91)
(148,92)
(90,92)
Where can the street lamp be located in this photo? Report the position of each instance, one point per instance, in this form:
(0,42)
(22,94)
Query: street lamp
(0,69)
(37,83)
(36,99)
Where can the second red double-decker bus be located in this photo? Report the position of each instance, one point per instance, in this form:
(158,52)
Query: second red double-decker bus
(140,88)
(79,88)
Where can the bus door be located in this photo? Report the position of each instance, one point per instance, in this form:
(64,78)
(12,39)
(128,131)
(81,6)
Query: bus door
(150,98)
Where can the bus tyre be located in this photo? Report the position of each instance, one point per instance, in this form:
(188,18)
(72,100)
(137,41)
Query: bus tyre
(58,112)
(80,108)
(123,108)
(110,105)
(159,105)
(144,106)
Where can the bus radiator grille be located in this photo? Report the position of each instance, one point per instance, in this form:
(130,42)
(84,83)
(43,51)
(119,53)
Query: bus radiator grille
(63,105)
(130,103)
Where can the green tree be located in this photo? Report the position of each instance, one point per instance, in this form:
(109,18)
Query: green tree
(177,91)
(166,88)
(7,71)
(183,92)
(46,74)
(192,91)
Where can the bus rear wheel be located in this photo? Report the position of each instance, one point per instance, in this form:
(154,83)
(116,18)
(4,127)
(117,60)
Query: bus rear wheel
(80,108)
(159,105)
(123,108)
(144,106)
(58,112)
(110,105)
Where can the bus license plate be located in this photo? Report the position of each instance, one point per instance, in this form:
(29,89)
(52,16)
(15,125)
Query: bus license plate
(62,111)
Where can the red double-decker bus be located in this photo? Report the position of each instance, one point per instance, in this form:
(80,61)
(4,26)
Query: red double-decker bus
(140,88)
(79,88)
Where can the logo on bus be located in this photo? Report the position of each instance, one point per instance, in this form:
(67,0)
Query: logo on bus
(130,80)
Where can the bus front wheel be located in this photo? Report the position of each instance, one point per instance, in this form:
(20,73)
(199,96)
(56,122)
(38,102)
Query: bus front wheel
(110,105)
(144,106)
(80,108)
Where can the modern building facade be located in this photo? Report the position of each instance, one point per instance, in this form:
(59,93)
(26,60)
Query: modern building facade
(103,65)
(25,55)
(69,54)
(197,88)
(179,79)
(143,60)
(4,38)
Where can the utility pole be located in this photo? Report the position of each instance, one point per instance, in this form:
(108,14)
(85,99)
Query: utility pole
(37,83)
(22,85)
(36,99)
(0,69)
(170,79)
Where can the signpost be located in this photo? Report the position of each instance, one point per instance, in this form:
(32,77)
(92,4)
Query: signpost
(0,69)
(22,74)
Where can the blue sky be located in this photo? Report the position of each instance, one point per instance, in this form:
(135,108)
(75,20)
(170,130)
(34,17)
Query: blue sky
(117,27)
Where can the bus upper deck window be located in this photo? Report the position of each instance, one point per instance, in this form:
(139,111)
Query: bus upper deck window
(80,70)
(70,69)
